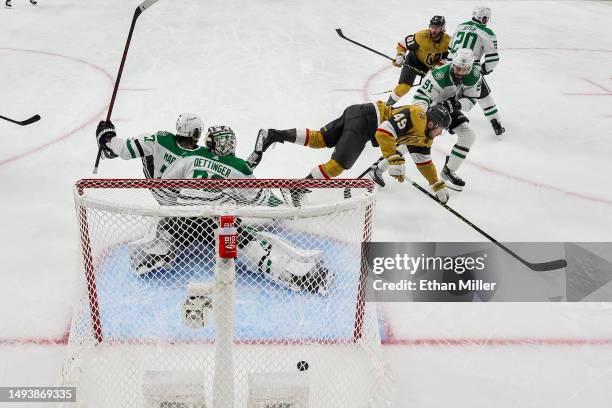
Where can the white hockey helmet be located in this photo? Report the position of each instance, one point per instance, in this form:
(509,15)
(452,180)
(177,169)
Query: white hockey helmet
(189,125)
(464,59)
(480,12)
(221,140)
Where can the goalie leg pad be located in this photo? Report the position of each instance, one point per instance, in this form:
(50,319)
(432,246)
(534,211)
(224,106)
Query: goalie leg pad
(153,251)
(287,265)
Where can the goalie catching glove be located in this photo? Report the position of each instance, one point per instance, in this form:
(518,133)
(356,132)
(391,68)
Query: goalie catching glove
(397,167)
(104,133)
(439,188)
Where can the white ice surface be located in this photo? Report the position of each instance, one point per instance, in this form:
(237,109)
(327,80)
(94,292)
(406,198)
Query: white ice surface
(280,64)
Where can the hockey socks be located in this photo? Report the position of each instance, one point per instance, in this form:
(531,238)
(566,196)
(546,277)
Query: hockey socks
(326,171)
(399,91)
(457,156)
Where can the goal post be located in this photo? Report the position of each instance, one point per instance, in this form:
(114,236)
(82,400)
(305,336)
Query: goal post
(148,325)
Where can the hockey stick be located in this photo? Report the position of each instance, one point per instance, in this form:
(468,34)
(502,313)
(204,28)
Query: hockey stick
(339,31)
(139,10)
(26,122)
(534,266)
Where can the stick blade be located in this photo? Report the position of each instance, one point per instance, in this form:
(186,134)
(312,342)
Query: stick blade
(31,120)
(548,266)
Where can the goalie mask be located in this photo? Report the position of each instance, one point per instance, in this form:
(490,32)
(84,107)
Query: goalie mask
(189,125)
(221,140)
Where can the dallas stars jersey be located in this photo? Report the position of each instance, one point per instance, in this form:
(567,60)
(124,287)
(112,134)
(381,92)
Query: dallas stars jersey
(427,51)
(438,86)
(157,151)
(480,39)
(206,165)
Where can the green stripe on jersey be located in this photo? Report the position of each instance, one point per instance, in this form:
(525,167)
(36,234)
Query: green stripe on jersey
(421,98)
(493,112)
(130,149)
(456,153)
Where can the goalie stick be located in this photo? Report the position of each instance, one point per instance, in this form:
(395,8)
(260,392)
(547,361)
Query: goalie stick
(341,34)
(534,266)
(26,122)
(139,10)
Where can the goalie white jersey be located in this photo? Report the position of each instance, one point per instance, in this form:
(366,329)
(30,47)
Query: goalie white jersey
(206,165)
(480,39)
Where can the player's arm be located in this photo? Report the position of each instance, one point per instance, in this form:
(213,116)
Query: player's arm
(421,156)
(133,148)
(409,44)
(471,93)
(387,134)
(491,56)
(428,92)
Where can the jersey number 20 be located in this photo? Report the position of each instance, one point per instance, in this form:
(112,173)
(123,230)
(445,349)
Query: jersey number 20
(468,40)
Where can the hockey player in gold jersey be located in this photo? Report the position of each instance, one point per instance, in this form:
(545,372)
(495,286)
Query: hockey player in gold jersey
(425,49)
(378,124)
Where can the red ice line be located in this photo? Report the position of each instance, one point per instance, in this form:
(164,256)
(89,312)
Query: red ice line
(73,131)
(365,97)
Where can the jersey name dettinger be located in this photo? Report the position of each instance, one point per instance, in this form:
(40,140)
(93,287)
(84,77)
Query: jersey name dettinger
(211,165)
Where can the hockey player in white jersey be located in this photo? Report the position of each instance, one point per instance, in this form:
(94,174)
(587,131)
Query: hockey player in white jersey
(475,35)
(275,258)
(456,86)
(156,150)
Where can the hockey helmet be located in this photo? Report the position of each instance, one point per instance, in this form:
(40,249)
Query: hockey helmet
(480,13)
(439,21)
(221,140)
(463,60)
(439,115)
(189,125)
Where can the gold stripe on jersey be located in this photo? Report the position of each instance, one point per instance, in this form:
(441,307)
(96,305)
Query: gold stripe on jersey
(430,52)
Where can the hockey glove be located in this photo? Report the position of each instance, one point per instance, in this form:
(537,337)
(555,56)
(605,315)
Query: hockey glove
(396,167)
(483,70)
(452,105)
(104,133)
(439,188)
(399,60)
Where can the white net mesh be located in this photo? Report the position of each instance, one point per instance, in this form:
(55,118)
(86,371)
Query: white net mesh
(296,303)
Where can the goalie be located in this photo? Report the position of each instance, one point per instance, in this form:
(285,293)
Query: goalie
(277,259)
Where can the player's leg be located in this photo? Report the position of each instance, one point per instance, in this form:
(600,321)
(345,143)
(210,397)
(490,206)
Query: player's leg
(166,239)
(465,140)
(279,261)
(348,144)
(489,108)
(405,83)
(303,137)
(153,251)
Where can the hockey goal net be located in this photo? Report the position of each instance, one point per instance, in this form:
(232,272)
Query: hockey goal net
(157,323)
